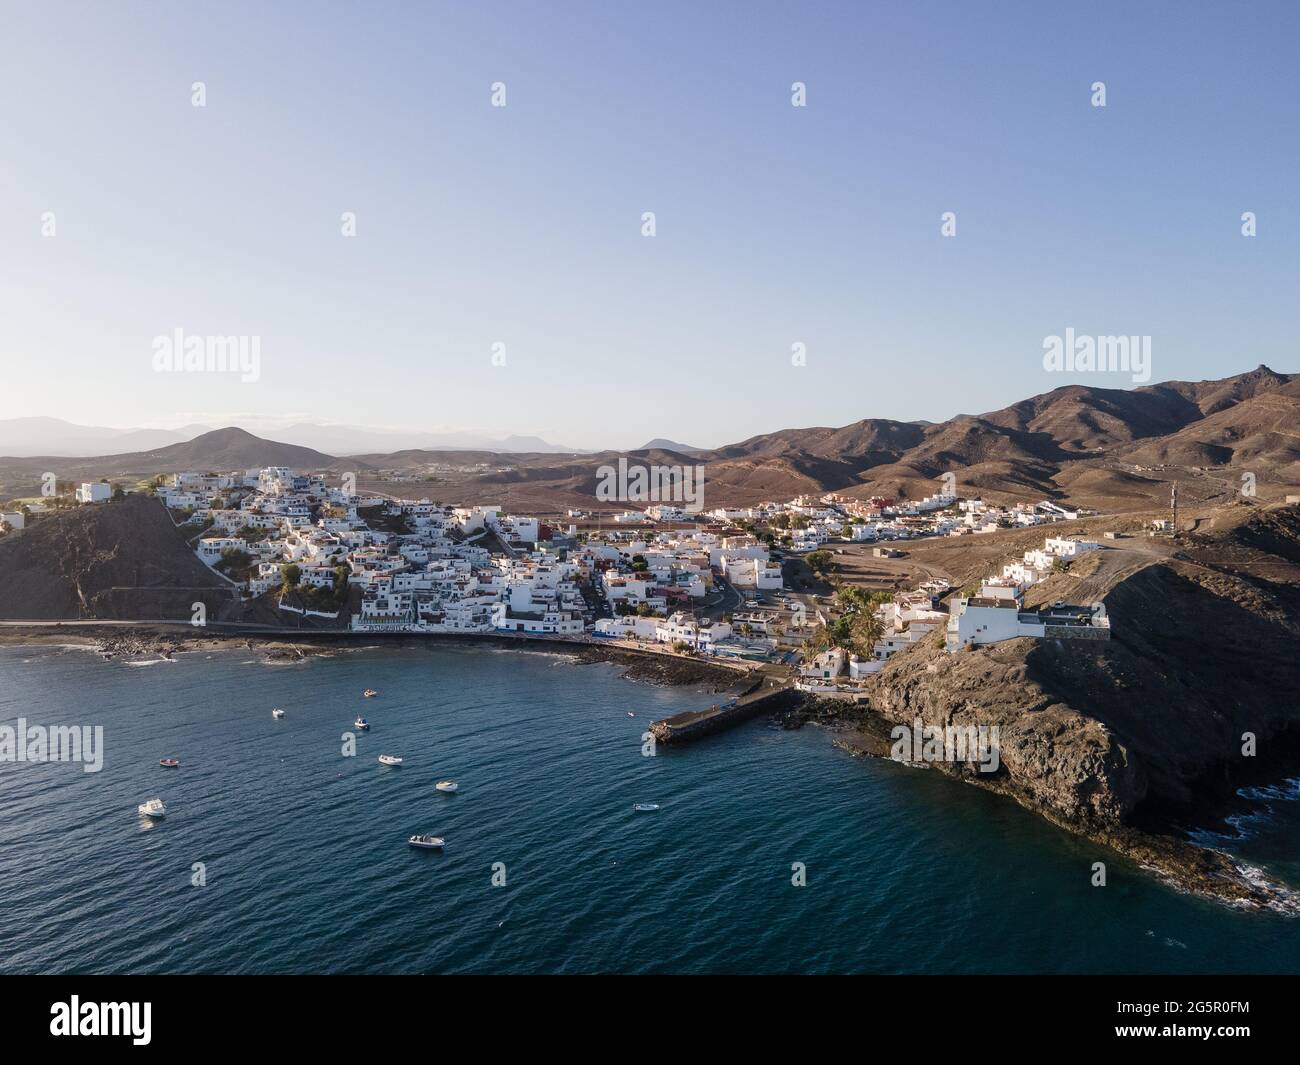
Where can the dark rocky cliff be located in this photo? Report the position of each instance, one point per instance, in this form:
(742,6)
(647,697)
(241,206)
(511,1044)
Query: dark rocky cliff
(1102,736)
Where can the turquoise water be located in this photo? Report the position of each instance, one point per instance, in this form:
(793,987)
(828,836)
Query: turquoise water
(307,868)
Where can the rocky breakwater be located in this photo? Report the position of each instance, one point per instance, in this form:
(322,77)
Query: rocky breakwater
(760,697)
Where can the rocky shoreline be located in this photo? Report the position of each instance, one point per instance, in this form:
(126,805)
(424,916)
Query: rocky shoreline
(155,642)
(1155,847)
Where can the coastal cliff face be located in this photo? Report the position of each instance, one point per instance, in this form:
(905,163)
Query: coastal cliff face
(1203,655)
(1052,755)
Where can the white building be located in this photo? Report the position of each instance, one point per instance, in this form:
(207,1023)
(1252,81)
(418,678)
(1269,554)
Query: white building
(211,547)
(826,665)
(94,492)
(550,622)
(698,635)
(629,627)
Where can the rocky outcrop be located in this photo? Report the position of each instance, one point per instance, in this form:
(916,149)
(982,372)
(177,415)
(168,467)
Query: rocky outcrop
(1198,686)
(1054,756)
(1096,731)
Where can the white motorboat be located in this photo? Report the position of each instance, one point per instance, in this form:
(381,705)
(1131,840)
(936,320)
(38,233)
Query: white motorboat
(361,723)
(389,759)
(645,807)
(370,693)
(277,713)
(447,786)
(153,808)
(169,763)
(426,842)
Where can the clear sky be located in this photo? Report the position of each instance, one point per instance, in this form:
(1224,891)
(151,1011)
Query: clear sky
(522,225)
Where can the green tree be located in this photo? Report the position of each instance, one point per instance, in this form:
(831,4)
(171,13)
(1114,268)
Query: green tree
(291,575)
(818,561)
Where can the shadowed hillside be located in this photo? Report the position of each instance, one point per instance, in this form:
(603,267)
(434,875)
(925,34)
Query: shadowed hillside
(113,560)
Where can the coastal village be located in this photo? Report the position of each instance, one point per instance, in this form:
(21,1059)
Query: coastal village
(714,584)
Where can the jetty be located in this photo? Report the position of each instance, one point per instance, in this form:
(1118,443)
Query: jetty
(762,696)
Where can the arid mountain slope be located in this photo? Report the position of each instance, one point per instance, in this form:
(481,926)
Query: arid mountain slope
(1079,442)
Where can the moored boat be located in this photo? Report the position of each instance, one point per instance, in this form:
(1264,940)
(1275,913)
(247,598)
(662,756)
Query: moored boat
(370,693)
(645,807)
(389,759)
(277,712)
(447,786)
(170,763)
(153,808)
(426,842)
(361,723)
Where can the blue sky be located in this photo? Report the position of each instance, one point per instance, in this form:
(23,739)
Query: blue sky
(522,225)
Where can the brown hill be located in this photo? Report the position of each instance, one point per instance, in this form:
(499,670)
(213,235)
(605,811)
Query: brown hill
(228,449)
(1262,430)
(219,450)
(1083,419)
(1096,446)
(113,560)
(870,441)
(1077,441)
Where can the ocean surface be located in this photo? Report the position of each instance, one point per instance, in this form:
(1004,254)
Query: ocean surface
(307,869)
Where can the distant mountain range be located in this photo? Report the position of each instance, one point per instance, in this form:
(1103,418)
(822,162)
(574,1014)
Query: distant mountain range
(53,436)
(1101,447)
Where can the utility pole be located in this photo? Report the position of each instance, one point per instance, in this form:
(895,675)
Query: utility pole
(1173,507)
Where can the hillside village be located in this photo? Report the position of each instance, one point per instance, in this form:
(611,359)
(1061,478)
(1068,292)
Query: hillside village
(712,584)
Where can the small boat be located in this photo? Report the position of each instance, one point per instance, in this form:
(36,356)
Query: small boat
(370,693)
(426,842)
(630,714)
(645,807)
(447,786)
(170,763)
(153,808)
(361,723)
(277,713)
(389,759)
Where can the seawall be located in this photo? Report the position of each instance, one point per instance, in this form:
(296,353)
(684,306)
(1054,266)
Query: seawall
(696,724)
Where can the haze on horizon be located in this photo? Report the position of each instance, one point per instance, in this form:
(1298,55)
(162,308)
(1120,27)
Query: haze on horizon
(522,225)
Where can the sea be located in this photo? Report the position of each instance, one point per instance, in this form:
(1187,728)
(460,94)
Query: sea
(772,851)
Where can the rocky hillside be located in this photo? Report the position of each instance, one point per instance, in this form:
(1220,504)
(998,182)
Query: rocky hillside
(1099,736)
(121,560)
